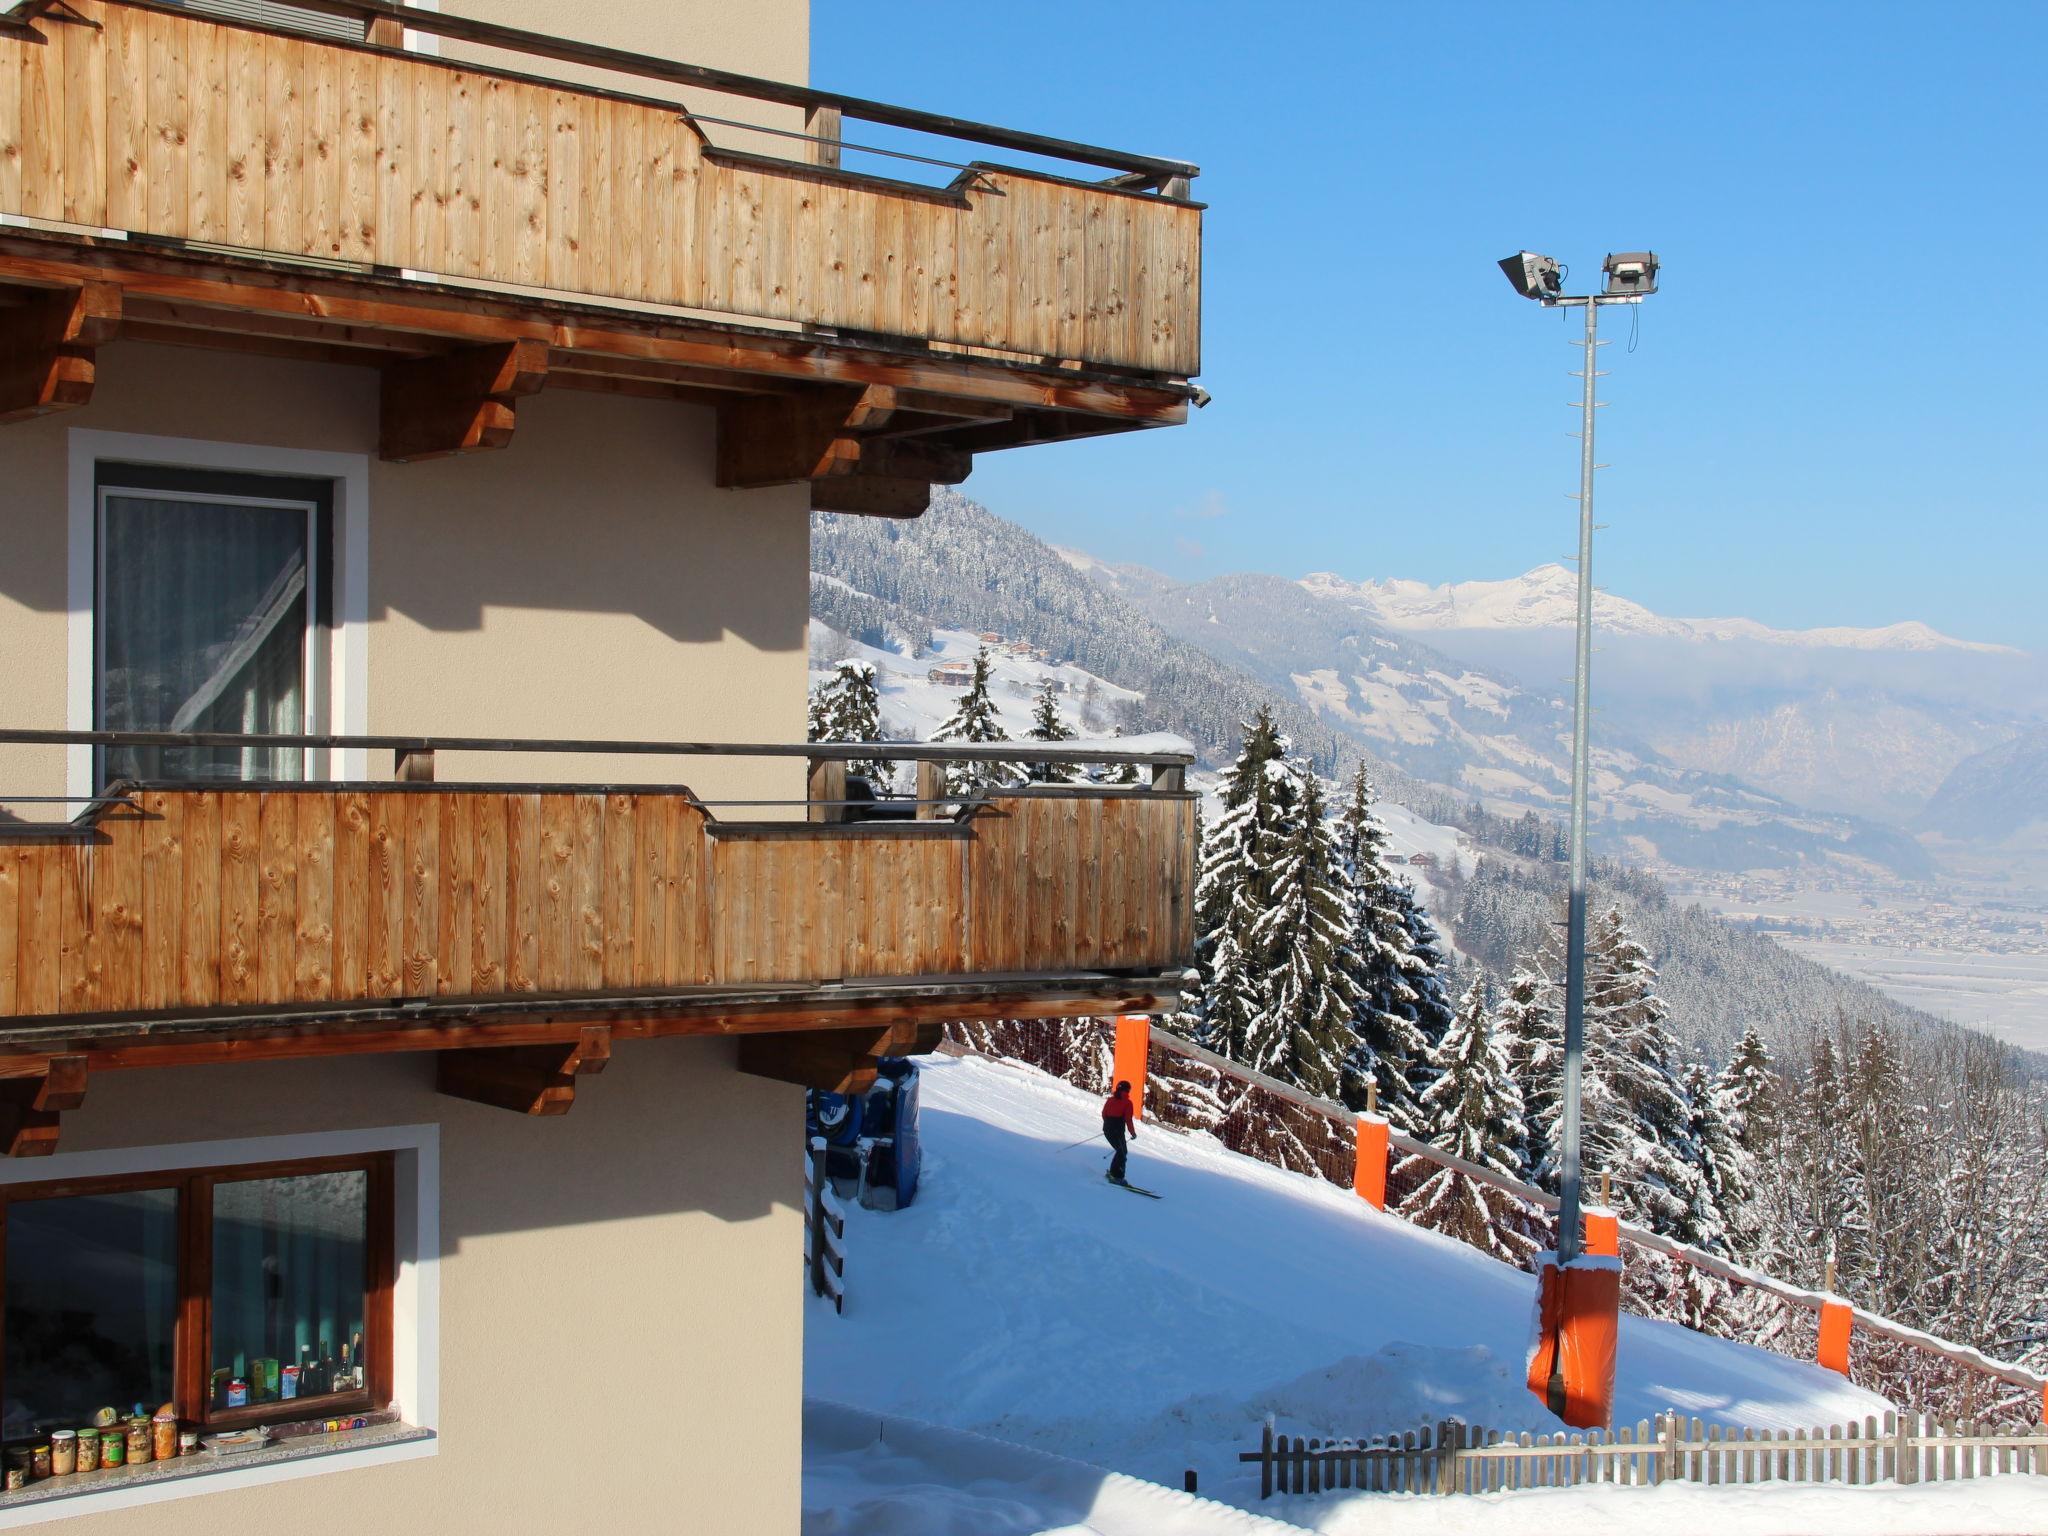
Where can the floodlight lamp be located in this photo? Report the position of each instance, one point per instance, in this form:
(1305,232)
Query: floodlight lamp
(1631,272)
(1535,277)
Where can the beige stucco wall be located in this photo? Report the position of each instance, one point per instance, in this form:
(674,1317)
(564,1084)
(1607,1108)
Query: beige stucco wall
(621,1302)
(586,581)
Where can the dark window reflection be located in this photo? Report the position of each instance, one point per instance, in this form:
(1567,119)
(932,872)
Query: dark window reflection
(92,1303)
(288,1266)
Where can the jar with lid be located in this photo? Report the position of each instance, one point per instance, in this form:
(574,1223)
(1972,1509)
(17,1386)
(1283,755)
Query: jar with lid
(19,1464)
(39,1464)
(138,1441)
(113,1447)
(163,1435)
(88,1450)
(63,1452)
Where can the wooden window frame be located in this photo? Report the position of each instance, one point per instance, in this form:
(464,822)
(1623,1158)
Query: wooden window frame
(192,1341)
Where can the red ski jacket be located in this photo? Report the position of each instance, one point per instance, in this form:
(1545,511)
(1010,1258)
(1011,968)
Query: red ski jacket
(1118,1106)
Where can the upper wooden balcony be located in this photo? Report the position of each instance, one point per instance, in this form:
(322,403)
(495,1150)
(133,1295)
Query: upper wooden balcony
(191,923)
(479,232)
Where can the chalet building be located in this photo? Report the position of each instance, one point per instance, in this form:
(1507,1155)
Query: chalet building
(420,913)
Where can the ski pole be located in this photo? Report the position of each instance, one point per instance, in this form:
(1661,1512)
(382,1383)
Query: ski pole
(1071,1145)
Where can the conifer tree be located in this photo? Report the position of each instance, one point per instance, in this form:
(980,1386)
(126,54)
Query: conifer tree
(1302,1035)
(1235,888)
(1474,1111)
(1725,1189)
(975,719)
(847,706)
(1046,725)
(1748,1087)
(1829,1221)
(1388,1048)
(1530,1026)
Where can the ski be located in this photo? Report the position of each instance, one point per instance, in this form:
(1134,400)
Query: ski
(1149,1194)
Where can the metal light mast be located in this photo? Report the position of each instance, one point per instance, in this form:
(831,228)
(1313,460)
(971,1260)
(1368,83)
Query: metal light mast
(1630,277)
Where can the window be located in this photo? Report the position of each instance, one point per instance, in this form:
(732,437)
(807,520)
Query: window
(212,602)
(240,1295)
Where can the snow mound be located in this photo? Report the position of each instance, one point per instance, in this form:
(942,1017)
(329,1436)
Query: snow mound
(868,1475)
(1025,1298)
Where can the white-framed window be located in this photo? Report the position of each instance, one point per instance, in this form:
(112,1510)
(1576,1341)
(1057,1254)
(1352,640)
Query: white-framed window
(215,586)
(136,1189)
(213,596)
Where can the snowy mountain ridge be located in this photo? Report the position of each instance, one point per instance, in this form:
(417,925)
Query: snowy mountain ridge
(1547,597)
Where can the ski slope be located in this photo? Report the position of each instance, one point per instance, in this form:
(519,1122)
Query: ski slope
(1024,1298)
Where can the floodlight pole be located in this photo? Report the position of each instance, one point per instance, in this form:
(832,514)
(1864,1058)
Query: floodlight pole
(1570,1235)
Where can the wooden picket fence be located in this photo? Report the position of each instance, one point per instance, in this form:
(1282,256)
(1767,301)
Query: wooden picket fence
(1453,1457)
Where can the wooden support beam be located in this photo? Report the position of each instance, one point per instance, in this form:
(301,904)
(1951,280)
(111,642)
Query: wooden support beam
(526,1079)
(47,348)
(460,402)
(30,1107)
(834,1060)
(871,496)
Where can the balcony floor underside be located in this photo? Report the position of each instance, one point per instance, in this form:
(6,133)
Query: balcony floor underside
(216,1035)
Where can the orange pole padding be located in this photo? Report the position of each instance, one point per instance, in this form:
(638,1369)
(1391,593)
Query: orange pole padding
(1133,1049)
(1835,1322)
(1369,1178)
(1578,1312)
(1603,1232)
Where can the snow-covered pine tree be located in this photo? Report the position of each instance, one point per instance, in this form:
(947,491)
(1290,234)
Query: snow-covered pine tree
(1637,1121)
(1529,1022)
(1302,1035)
(1726,1187)
(1474,1111)
(975,720)
(1046,725)
(1829,1219)
(1749,1091)
(1388,1048)
(1120,773)
(1234,888)
(847,706)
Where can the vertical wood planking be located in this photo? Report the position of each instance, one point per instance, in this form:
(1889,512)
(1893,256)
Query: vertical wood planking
(524,880)
(277,896)
(391,242)
(136,88)
(11,149)
(84,49)
(455,928)
(242,60)
(487,816)
(325,133)
(13,866)
(554,894)
(116,897)
(626,271)
(563,187)
(586,895)
(423,969)
(313,971)
(352,887)
(205,889)
(163,896)
(651,879)
(204,163)
(427,93)
(284,149)
(42,129)
(386,884)
(463,249)
(619,891)
(357,189)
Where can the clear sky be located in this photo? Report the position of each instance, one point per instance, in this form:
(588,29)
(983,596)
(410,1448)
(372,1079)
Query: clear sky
(1837,412)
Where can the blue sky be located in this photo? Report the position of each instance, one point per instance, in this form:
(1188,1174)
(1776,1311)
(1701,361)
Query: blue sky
(1836,412)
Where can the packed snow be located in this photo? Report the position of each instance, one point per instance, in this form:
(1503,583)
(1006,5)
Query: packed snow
(1024,1298)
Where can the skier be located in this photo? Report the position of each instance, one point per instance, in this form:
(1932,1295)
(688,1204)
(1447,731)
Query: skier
(1119,1120)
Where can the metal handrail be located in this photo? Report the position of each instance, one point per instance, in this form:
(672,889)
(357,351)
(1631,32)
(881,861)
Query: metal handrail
(726,82)
(815,751)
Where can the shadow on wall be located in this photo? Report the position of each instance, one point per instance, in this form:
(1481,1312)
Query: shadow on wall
(669,1127)
(601,504)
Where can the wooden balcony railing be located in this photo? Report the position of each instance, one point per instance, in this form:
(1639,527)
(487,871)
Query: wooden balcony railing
(152,121)
(326,897)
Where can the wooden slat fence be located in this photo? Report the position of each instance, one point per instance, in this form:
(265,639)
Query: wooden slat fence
(187,898)
(1452,1457)
(177,126)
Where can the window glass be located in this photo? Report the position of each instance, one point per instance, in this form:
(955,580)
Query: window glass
(203,623)
(92,1307)
(288,1294)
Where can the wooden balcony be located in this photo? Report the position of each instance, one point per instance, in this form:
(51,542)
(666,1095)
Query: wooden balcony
(196,180)
(174,924)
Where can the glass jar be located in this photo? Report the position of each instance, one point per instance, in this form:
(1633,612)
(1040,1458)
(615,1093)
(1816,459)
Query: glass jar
(63,1453)
(88,1450)
(113,1447)
(138,1442)
(163,1436)
(39,1466)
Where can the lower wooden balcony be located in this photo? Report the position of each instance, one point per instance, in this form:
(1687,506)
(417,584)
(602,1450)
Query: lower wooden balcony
(183,923)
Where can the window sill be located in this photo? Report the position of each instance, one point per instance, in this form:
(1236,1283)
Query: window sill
(155,1479)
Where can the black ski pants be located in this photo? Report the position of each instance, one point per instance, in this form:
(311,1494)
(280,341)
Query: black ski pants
(1113,1133)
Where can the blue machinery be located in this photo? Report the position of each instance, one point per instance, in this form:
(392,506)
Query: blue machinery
(871,1143)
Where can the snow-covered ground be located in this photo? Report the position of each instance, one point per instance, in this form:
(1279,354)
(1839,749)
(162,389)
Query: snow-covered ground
(1024,1298)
